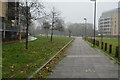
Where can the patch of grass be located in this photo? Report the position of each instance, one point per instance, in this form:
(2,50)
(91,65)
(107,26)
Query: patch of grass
(21,63)
(47,70)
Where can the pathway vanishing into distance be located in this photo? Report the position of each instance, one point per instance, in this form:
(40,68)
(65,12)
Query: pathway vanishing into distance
(82,61)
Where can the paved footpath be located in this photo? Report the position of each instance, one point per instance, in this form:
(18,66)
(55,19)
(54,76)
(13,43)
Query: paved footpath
(82,61)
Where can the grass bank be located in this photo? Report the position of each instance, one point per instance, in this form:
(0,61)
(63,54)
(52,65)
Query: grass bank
(21,63)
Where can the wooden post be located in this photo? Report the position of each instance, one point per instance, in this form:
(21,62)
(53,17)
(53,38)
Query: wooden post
(105,46)
(117,52)
(110,48)
(102,45)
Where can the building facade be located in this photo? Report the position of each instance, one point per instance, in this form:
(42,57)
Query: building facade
(108,23)
(2,17)
(9,20)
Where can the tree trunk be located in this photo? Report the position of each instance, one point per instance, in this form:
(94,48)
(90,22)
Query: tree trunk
(52,27)
(27,28)
(69,34)
(47,33)
(51,34)
(27,37)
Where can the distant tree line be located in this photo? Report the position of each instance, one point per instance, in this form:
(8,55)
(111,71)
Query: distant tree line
(72,29)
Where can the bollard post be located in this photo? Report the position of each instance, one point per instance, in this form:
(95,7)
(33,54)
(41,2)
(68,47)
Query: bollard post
(110,48)
(102,45)
(105,46)
(117,52)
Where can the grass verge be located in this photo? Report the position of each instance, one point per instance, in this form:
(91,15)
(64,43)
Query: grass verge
(47,70)
(21,63)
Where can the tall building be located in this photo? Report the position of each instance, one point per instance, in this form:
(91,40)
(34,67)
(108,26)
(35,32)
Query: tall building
(108,22)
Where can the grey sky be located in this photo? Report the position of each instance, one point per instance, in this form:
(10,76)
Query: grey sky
(76,11)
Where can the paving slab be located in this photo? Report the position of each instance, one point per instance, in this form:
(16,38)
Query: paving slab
(83,61)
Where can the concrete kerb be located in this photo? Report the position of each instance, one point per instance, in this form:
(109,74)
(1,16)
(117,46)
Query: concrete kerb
(49,60)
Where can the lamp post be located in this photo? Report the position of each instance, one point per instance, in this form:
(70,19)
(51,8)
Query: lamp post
(94,20)
(85,26)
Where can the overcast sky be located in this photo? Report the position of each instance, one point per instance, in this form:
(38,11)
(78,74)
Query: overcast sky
(74,11)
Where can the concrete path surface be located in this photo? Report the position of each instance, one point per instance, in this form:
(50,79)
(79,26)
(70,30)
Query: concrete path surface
(82,61)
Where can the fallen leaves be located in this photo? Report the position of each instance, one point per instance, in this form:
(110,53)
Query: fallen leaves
(34,52)
(12,66)
(12,70)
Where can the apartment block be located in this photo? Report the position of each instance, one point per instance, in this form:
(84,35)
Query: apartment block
(108,22)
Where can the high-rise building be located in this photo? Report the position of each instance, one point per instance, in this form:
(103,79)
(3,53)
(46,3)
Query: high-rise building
(108,22)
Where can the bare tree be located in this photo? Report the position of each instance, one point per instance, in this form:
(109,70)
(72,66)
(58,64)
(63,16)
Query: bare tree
(54,16)
(31,10)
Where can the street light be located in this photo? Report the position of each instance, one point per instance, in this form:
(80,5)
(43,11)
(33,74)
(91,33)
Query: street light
(85,26)
(94,19)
